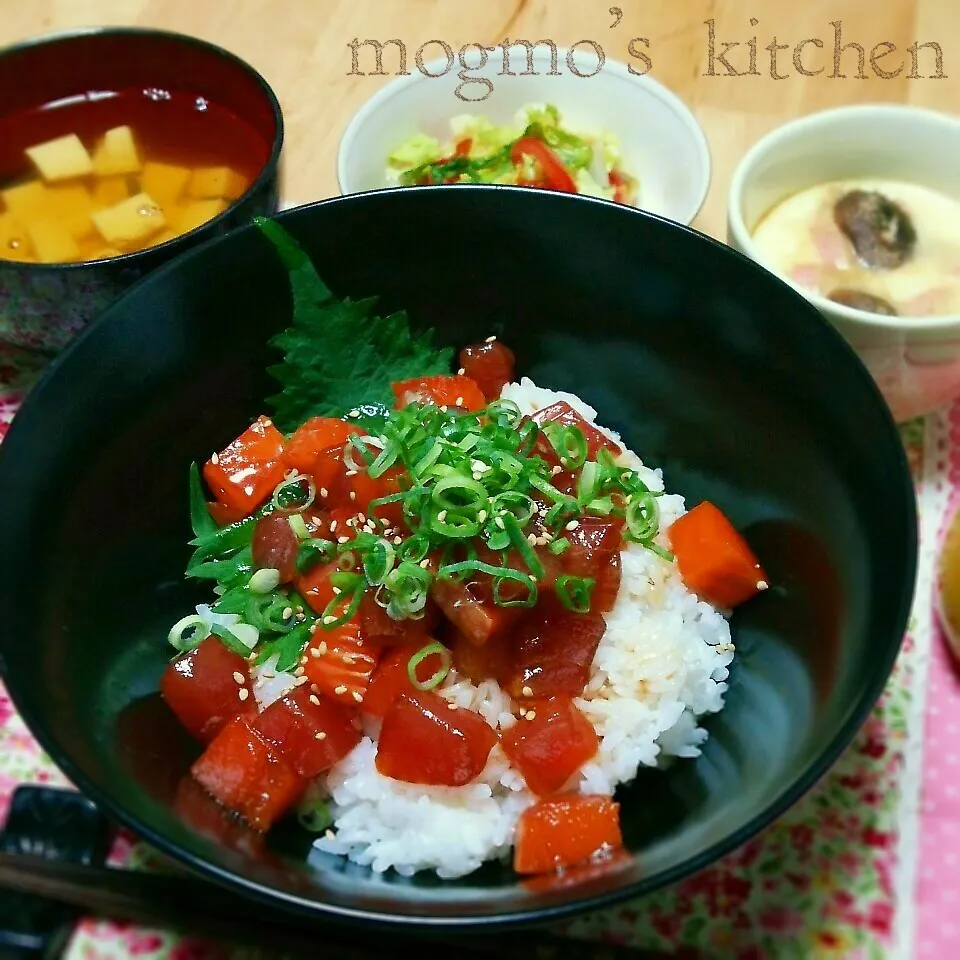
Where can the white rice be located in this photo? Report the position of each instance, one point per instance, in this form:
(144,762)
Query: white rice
(661,665)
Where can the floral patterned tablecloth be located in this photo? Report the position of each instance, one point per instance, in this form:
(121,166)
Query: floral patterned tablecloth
(835,877)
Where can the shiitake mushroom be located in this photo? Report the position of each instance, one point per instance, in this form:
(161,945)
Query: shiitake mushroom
(860,300)
(880,230)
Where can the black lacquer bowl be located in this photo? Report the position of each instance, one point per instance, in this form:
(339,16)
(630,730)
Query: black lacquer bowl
(709,366)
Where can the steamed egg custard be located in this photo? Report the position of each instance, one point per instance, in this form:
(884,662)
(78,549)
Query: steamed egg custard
(884,246)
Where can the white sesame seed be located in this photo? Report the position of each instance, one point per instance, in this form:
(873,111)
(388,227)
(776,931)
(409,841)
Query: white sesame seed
(340,690)
(243,693)
(324,492)
(532,539)
(451,706)
(527,691)
(215,459)
(557,469)
(313,628)
(267,423)
(329,618)
(299,672)
(337,591)
(459,402)
(442,515)
(333,526)
(348,658)
(762,585)
(238,676)
(343,539)
(351,473)
(425,562)
(303,661)
(322,647)
(358,696)
(361,518)
(531,714)
(330,835)
(287,613)
(489,339)
(572,525)
(300,681)
(315,653)
(353,496)
(248,490)
(522,711)
(314,699)
(443,408)
(320,735)
(397,541)
(461,371)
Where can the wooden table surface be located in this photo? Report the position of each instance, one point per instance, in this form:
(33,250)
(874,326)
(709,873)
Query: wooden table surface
(301,47)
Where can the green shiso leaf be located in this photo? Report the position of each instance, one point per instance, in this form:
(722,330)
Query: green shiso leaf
(339,354)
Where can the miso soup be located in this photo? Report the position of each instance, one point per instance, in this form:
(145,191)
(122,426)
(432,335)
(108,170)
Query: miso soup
(109,173)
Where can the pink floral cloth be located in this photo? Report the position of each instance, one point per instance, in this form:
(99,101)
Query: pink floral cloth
(832,878)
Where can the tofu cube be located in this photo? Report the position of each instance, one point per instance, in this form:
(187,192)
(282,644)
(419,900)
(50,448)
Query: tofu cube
(164,181)
(28,201)
(72,206)
(192,215)
(130,221)
(14,242)
(210,182)
(61,159)
(108,191)
(52,242)
(103,253)
(116,154)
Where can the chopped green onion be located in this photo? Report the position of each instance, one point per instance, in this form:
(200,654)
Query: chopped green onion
(522,546)
(414,549)
(642,517)
(409,585)
(289,494)
(574,592)
(505,413)
(352,589)
(499,575)
(438,677)
(187,634)
(230,640)
(360,445)
(314,551)
(569,443)
(558,546)
(299,526)
(588,484)
(264,580)
(518,504)
(660,552)
(378,562)
(315,816)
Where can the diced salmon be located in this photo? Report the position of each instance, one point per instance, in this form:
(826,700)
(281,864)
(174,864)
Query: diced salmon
(423,741)
(202,689)
(549,743)
(311,731)
(562,832)
(247,774)
(244,474)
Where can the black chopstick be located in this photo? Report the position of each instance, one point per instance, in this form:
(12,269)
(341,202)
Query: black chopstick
(191,904)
